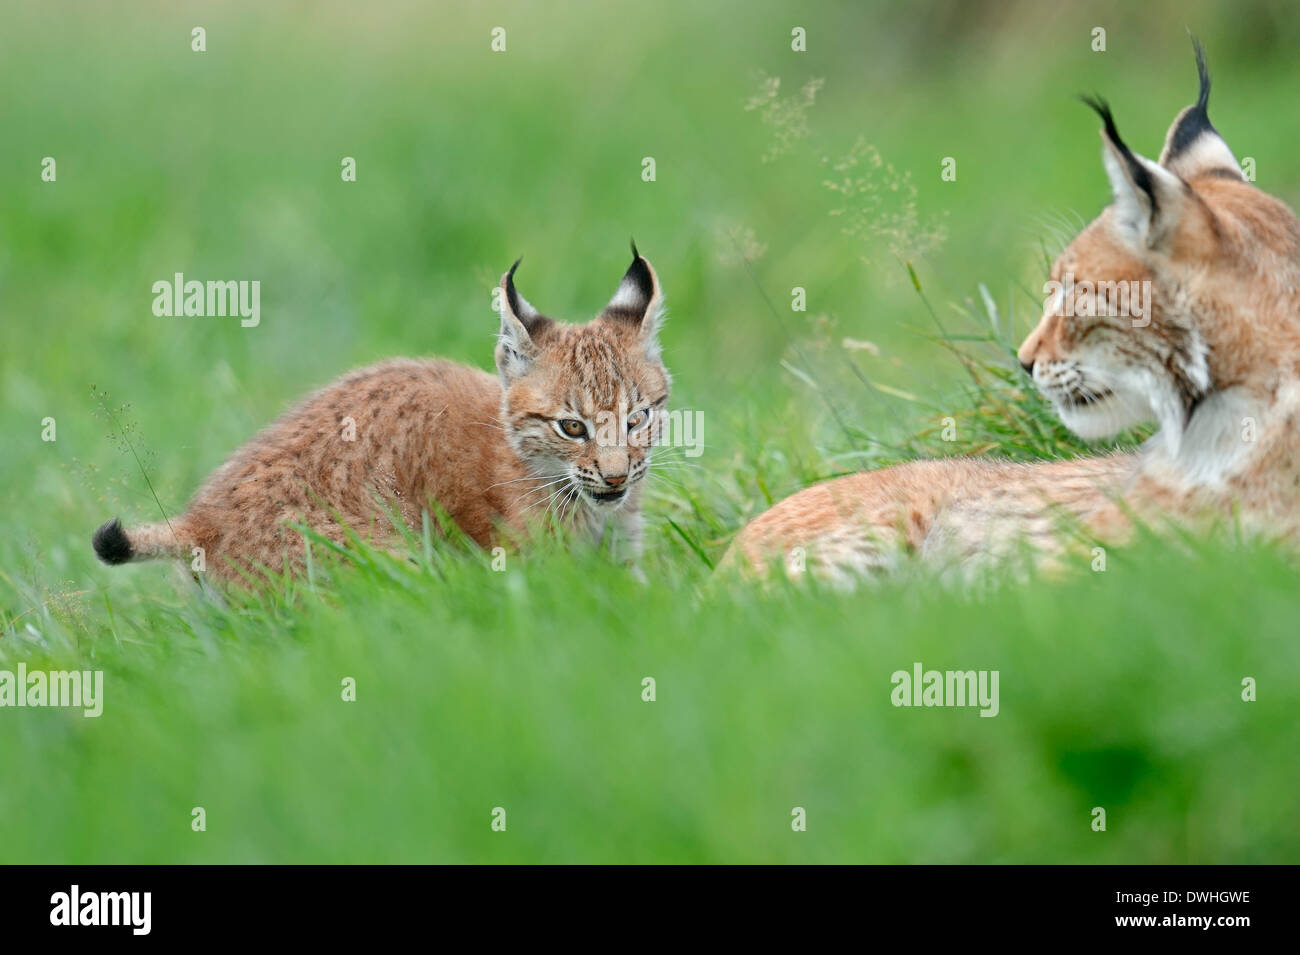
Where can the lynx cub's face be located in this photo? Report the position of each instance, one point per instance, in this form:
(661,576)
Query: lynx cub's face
(1172,292)
(582,404)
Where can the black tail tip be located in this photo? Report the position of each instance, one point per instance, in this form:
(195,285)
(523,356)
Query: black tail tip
(111,544)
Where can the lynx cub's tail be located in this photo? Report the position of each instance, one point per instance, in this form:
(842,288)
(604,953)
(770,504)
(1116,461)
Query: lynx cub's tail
(113,545)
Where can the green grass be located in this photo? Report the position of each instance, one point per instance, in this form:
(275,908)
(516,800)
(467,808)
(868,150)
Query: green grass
(523,689)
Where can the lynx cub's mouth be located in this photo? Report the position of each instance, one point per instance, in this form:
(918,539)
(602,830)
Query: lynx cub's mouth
(606,497)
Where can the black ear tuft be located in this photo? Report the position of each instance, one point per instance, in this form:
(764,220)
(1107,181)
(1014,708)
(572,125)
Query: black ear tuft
(511,294)
(1136,170)
(111,544)
(1203,73)
(638,273)
(1102,109)
(1193,147)
(1195,120)
(522,329)
(637,292)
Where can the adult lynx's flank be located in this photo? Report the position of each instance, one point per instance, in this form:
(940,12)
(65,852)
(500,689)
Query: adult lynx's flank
(565,428)
(1209,350)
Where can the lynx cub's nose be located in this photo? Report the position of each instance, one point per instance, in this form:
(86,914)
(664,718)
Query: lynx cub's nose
(615,480)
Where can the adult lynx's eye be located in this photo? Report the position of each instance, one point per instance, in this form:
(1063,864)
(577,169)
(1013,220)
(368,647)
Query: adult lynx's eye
(637,418)
(572,428)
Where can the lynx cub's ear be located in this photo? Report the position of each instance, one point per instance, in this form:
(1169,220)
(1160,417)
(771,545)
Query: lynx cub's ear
(639,302)
(1193,147)
(1149,200)
(521,328)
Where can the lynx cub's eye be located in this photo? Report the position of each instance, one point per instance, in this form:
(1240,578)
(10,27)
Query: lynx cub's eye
(637,418)
(572,428)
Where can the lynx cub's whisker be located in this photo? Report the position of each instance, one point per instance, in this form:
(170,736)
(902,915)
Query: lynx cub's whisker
(551,478)
(495,452)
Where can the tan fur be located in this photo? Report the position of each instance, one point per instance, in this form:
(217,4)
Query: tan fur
(1216,363)
(484,449)
(951,510)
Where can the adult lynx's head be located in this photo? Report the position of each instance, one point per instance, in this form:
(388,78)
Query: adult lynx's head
(1183,287)
(582,404)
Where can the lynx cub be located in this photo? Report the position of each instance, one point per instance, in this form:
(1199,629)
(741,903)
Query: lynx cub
(565,428)
(1212,355)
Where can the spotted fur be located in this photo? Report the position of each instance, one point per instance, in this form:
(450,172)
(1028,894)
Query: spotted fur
(409,437)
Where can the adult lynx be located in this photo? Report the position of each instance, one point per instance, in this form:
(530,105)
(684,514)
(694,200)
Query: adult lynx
(566,427)
(1211,353)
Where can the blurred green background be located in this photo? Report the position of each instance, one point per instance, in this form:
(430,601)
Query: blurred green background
(522,690)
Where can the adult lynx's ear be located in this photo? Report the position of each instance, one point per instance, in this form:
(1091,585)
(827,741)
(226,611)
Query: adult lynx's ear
(1193,146)
(638,301)
(1149,200)
(522,326)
